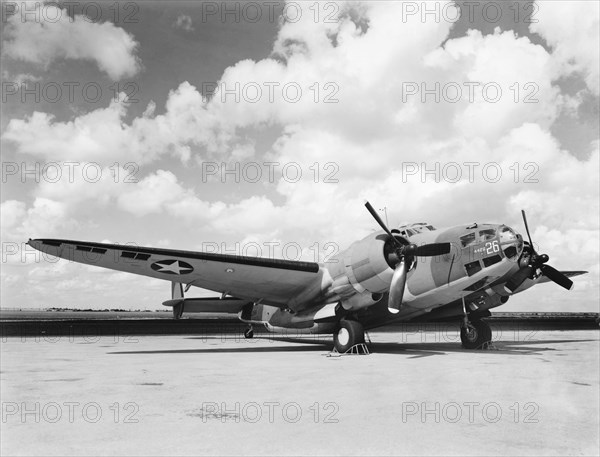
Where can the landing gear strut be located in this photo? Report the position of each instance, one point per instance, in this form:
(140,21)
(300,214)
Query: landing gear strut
(475,333)
(249,333)
(347,334)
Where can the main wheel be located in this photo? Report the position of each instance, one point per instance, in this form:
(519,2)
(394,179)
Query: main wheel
(476,334)
(347,335)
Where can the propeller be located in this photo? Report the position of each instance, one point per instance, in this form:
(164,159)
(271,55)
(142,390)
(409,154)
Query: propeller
(536,261)
(404,255)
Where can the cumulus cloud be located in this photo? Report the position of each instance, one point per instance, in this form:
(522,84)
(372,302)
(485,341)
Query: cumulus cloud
(102,135)
(44,218)
(20,78)
(44,41)
(572,29)
(371,123)
(184,22)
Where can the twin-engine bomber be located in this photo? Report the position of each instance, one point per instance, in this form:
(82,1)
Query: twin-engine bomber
(414,272)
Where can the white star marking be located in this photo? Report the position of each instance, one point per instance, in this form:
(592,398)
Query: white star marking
(173,268)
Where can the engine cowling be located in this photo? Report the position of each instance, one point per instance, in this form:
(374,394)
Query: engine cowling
(363,272)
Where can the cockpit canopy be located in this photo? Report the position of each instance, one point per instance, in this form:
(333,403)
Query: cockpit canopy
(510,242)
(413,229)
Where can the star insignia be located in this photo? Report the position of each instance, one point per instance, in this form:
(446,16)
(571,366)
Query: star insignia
(175,267)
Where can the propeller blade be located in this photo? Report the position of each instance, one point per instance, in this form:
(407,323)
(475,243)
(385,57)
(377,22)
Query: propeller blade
(397,288)
(517,279)
(554,275)
(433,249)
(527,229)
(380,222)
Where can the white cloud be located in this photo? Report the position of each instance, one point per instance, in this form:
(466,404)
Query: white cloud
(184,22)
(152,193)
(20,78)
(368,135)
(102,135)
(44,41)
(44,218)
(572,28)
(11,211)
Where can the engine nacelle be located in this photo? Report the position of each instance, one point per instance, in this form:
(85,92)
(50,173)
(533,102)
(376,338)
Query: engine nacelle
(363,268)
(359,301)
(253,313)
(310,329)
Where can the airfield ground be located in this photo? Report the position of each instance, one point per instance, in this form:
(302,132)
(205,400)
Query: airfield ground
(418,393)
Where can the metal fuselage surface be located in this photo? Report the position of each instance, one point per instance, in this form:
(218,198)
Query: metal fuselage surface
(356,280)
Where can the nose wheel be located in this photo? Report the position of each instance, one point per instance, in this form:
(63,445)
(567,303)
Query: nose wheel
(249,333)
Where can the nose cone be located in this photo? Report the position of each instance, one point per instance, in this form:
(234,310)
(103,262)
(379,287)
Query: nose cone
(510,242)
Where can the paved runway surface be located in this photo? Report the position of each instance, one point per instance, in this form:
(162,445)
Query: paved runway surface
(417,394)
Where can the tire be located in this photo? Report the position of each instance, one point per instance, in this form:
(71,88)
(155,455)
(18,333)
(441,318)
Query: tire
(479,334)
(347,334)
(249,333)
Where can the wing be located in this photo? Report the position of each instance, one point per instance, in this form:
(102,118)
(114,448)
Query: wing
(274,281)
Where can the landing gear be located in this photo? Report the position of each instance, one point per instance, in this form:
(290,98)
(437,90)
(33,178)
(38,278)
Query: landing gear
(178,310)
(249,333)
(347,334)
(475,334)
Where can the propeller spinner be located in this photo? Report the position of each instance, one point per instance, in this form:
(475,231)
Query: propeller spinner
(403,256)
(536,261)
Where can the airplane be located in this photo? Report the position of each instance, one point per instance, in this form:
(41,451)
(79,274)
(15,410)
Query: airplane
(412,273)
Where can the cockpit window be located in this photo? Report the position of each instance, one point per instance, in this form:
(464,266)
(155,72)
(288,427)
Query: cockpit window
(487,234)
(507,235)
(467,239)
(419,227)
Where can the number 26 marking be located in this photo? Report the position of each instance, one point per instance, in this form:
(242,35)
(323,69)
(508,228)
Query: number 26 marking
(491,247)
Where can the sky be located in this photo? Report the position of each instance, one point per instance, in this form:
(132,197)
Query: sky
(260,128)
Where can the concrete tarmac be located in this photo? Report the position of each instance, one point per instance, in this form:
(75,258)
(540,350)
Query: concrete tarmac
(536,393)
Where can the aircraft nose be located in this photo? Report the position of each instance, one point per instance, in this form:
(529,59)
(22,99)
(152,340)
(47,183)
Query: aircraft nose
(511,242)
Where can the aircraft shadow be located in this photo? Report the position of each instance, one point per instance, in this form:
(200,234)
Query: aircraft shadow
(413,350)
(217,350)
(443,348)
